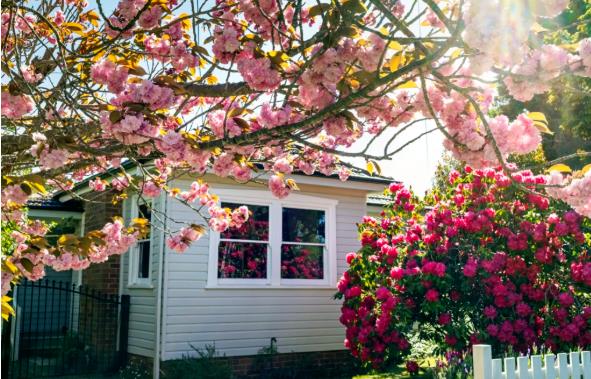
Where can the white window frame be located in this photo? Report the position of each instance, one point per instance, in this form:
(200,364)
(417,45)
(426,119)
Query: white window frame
(134,281)
(274,280)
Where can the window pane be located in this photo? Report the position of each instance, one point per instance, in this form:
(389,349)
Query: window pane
(145,211)
(302,262)
(303,225)
(242,260)
(144,259)
(256,228)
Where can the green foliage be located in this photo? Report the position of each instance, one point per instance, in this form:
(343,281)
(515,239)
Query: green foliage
(135,369)
(6,240)
(207,365)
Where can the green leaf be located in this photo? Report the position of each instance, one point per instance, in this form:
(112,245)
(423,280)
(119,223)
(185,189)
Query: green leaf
(318,9)
(27,264)
(354,6)
(115,116)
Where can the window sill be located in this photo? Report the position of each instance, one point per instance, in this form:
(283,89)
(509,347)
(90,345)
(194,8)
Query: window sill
(269,287)
(145,286)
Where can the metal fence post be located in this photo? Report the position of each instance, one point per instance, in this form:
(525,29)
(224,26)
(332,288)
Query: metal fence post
(124,330)
(482,360)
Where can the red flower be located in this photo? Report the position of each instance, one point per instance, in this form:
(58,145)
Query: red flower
(412,367)
(432,295)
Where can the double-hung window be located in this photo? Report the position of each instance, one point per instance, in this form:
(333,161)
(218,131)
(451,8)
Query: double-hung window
(243,252)
(285,243)
(140,254)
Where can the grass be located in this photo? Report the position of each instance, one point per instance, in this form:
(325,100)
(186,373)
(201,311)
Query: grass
(400,372)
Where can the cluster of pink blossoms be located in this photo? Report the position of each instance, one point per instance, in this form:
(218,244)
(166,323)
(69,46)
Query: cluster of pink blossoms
(480,262)
(181,241)
(220,219)
(539,67)
(15,106)
(108,73)
(32,262)
(577,192)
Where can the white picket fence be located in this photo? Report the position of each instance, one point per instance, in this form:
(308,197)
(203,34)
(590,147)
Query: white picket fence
(561,367)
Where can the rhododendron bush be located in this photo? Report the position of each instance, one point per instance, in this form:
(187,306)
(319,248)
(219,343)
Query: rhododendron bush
(254,90)
(481,262)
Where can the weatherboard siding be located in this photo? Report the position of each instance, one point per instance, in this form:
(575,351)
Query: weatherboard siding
(142,311)
(242,321)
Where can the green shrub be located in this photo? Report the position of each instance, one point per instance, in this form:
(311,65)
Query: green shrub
(135,369)
(206,365)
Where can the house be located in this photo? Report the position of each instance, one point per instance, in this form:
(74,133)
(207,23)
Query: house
(274,278)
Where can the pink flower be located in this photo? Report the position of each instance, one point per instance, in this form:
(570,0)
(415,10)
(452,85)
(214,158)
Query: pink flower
(258,74)
(444,319)
(283,166)
(565,299)
(151,17)
(523,309)
(490,312)
(471,267)
(397,273)
(15,194)
(278,187)
(150,189)
(110,74)
(553,58)
(6,282)
(432,295)
(29,74)
(353,292)
(97,185)
(383,293)
(350,257)
(15,106)
(412,367)
(120,183)
(53,158)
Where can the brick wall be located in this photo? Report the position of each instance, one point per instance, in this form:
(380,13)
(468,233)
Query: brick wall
(319,365)
(103,277)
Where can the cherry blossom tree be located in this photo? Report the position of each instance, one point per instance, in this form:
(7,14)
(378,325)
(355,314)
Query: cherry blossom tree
(254,90)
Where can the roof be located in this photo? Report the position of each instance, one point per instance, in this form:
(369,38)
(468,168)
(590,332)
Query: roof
(354,177)
(377,199)
(53,204)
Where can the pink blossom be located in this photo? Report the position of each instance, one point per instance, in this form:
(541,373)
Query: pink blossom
(120,183)
(15,194)
(15,106)
(259,75)
(110,74)
(29,74)
(278,187)
(97,185)
(150,189)
(432,295)
(283,166)
(53,158)
(151,17)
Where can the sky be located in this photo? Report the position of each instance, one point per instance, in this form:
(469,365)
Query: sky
(415,164)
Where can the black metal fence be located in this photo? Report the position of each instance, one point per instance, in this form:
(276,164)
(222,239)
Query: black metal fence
(62,329)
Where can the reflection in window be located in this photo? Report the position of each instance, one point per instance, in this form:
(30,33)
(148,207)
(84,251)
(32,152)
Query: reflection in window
(303,225)
(143,245)
(242,260)
(242,252)
(302,262)
(303,246)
